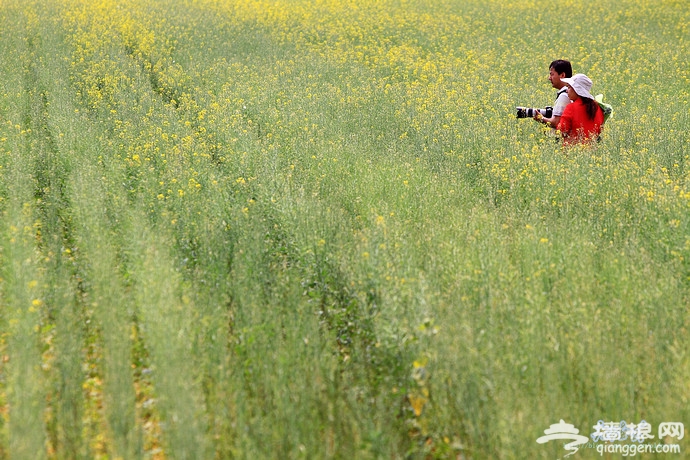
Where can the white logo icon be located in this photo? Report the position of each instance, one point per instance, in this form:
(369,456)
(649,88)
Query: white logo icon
(565,431)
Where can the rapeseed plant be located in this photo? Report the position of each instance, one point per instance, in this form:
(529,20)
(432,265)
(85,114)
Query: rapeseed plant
(298,229)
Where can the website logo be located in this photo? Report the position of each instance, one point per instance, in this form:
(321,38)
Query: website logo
(610,437)
(564,431)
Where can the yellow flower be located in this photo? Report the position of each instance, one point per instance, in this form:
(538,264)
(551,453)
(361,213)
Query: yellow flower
(417,403)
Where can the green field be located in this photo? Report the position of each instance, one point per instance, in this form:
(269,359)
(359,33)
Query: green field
(315,229)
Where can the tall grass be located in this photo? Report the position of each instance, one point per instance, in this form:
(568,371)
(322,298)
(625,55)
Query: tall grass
(23,280)
(296,230)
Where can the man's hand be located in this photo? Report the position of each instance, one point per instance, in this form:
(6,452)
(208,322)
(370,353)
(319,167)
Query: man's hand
(550,122)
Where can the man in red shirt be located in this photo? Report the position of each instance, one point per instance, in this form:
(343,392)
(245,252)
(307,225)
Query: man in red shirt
(581,121)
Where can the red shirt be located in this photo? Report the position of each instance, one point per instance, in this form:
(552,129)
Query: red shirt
(576,126)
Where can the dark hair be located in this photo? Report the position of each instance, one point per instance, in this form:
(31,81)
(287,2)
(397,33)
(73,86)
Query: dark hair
(591,106)
(562,66)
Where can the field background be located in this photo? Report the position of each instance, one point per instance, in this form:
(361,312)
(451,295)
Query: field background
(296,229)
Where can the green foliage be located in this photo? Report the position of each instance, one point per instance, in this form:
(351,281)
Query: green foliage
(262,229)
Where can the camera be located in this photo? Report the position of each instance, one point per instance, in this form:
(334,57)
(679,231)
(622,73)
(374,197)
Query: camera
(528,112)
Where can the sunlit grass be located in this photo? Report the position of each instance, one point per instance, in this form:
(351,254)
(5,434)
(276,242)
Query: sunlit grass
(266,229)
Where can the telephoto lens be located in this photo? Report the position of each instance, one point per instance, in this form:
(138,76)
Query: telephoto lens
(525,112)
(529,112)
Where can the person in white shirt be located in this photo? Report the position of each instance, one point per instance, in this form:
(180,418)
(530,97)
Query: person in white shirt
(558,69)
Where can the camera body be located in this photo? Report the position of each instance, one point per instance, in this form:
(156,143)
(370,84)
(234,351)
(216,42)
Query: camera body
(529,112)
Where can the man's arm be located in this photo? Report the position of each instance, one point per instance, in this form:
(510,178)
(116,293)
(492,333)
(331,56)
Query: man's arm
(550,122)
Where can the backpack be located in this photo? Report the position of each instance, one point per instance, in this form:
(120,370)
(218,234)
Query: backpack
(606,108)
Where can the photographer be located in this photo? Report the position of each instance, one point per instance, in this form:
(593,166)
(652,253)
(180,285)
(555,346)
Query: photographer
(558,70)
(581,121)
